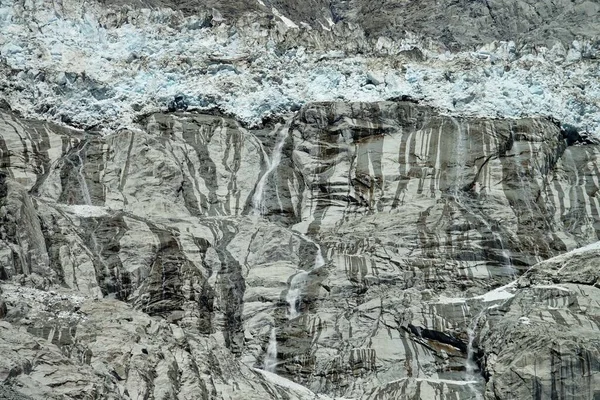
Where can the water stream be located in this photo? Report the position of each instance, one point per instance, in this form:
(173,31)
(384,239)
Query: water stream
(319,260)
(85,191)
(270,363)
(294,294)
(506,259)
(272,164)
(299,281)
(471,367)
(470,364)
(83,187)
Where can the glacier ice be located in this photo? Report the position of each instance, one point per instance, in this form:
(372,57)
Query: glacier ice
(90,67)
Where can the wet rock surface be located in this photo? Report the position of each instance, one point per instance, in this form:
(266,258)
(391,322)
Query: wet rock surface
(380,242)
(544,342)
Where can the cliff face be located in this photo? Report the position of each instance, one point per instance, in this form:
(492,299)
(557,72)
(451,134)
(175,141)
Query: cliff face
(547,335)
(457,24)
(356,250)
(299,200)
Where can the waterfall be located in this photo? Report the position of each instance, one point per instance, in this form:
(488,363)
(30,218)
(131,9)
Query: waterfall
(319,260)
(294,294)
(163,280)
(470,364)
(259,192)
(85,192)
(460,152)
(507,261)
(270,363)
(298,283)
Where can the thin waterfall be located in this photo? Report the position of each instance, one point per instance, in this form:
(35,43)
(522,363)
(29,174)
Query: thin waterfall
(258,198)
(470,364)
(319,260)
(294,294)
(298,283)
(507,260)
(163,280)
(83,187)
(85,191)
(461,151)
(270,364)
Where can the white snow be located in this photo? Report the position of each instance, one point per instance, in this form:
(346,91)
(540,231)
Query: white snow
(295,387)
(501,293)
(584,249)
(498,294)
(436,380)
(44,301)
(442,299)
(93,72)
(86,211)
(525,321)
(288,22)
(288,384)
(561,288)
(578,251)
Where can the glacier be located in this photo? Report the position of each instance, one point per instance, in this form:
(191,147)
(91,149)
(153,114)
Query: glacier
(99,68)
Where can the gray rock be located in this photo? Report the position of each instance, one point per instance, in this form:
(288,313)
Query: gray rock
(3,308)
(368,236)
(544,342)
(462,24)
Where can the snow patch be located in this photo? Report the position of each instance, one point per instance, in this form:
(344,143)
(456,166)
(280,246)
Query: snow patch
(86,211)
(498,294)
(561,288)
(47,302)
(291,385)
(501,293)
(581,250)
(436,380)
(584,249)
(288,22)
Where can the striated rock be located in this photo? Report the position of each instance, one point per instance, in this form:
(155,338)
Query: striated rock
(544,342)
(3,309)
(469,23)
(352,250)
(116,352)
(466,23)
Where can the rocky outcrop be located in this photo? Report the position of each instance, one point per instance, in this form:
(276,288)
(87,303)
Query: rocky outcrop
(470,23)
(455,23)
(355,247)
(544,342)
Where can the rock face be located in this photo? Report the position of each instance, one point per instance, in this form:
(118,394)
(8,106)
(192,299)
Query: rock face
(454,23)
(470,23)
(355,250)
(544,342)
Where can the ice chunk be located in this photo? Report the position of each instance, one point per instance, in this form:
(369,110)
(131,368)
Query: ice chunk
(288,22)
